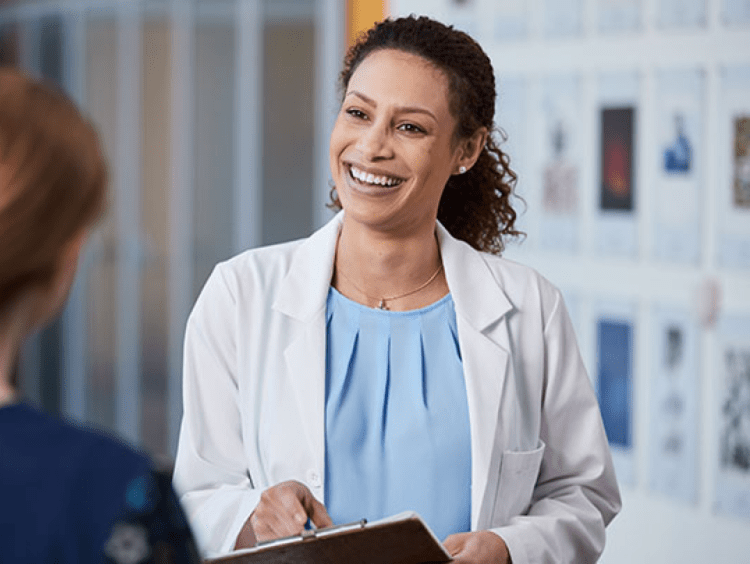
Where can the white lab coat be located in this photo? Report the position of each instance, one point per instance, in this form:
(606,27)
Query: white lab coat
(254,386)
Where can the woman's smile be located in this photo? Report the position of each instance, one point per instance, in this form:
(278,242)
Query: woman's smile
(361,176)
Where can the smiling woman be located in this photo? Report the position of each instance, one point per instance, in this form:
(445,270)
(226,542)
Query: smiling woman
(393,360)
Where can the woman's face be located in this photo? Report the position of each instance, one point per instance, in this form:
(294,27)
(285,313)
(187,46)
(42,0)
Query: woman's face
(392,148)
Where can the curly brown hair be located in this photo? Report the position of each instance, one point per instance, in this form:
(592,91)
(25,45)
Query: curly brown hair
(475,207)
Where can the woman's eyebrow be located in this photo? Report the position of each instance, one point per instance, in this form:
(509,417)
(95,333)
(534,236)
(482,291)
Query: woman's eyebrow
(399,109)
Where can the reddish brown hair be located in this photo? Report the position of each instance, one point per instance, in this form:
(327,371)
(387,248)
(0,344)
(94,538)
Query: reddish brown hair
(52,180)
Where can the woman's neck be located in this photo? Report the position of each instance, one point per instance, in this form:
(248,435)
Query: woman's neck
(372,266)
(7,365)
(12,330)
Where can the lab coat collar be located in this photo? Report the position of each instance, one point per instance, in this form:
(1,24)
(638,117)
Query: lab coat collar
(304,289)
(478,296)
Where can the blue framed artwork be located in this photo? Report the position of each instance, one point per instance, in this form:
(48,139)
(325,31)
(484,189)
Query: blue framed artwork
(614,381)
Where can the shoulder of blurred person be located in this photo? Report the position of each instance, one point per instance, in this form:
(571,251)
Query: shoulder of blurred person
(78,495)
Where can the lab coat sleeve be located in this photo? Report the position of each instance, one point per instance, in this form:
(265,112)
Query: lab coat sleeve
(576,494)
(211,475)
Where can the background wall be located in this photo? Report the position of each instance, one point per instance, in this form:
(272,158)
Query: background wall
(628,122)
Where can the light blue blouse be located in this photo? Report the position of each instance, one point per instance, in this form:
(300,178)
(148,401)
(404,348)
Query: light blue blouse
(397,420)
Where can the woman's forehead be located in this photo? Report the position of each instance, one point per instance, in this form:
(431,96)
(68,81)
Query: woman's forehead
(393,75)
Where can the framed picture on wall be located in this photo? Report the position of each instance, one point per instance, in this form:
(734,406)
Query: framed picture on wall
(615,338)
(674,406)
(733,411)
(615,228)
(733,208)
(678,179)
(616,160)
(561,163)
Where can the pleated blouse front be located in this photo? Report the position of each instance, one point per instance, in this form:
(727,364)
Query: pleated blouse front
(397,422)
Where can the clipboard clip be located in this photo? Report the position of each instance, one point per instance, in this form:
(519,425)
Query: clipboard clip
(311,533)
(315,533)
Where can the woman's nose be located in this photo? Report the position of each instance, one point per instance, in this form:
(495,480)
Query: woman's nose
(375,142)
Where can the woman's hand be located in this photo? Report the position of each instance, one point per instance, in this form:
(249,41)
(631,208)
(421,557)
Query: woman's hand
(282,511)
(481,547)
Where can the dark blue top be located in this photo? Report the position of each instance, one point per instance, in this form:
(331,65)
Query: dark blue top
(70,495)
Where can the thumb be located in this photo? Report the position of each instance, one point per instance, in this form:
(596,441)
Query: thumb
(454,544)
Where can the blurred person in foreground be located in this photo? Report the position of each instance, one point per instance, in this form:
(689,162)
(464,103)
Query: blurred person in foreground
(67,495)
(393,360)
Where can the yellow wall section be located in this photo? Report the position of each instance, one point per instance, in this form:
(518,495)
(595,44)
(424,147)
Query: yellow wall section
(362,14)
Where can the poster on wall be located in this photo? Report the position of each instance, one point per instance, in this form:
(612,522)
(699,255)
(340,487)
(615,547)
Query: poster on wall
(561,164)
(678,180)
(733,208)
(616,160)
(615,223)
(511,20)
(733,456)
(681,13)
(563,18)
(617,16)
(736,12)
(674,406)
(614,387)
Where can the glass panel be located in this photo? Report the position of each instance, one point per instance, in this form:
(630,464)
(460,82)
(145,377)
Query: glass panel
(101,104)
(51,49)
(288,130)
(214,147)
(8,44)
(155,183)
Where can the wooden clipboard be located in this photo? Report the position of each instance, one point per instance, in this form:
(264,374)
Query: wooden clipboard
(402,539)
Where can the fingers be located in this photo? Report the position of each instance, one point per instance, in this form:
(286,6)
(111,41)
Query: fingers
(283,511)
(317,512)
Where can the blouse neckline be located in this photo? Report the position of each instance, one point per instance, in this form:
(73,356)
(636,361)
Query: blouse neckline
(387,312)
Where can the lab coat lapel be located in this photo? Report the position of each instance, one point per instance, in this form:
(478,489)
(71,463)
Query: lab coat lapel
(302,297)
(483,339)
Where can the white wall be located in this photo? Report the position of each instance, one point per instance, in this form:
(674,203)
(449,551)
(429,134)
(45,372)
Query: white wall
(653,266)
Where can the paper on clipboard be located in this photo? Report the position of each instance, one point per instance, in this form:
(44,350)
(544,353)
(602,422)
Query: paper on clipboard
(401,539)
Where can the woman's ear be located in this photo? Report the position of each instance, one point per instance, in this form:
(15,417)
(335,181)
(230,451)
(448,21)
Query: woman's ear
(471,148)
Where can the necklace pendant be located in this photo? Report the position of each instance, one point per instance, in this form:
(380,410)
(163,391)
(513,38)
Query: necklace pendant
(381,305)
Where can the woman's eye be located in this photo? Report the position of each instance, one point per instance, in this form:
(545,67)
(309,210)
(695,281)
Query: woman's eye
(410,128)
(354,112)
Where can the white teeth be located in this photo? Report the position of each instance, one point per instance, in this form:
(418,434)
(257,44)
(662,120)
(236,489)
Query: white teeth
(370,178)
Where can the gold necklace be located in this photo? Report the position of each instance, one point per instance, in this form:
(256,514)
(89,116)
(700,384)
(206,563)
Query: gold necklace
(382,300)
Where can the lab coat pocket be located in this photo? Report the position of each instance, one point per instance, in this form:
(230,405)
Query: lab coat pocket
(518,474)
